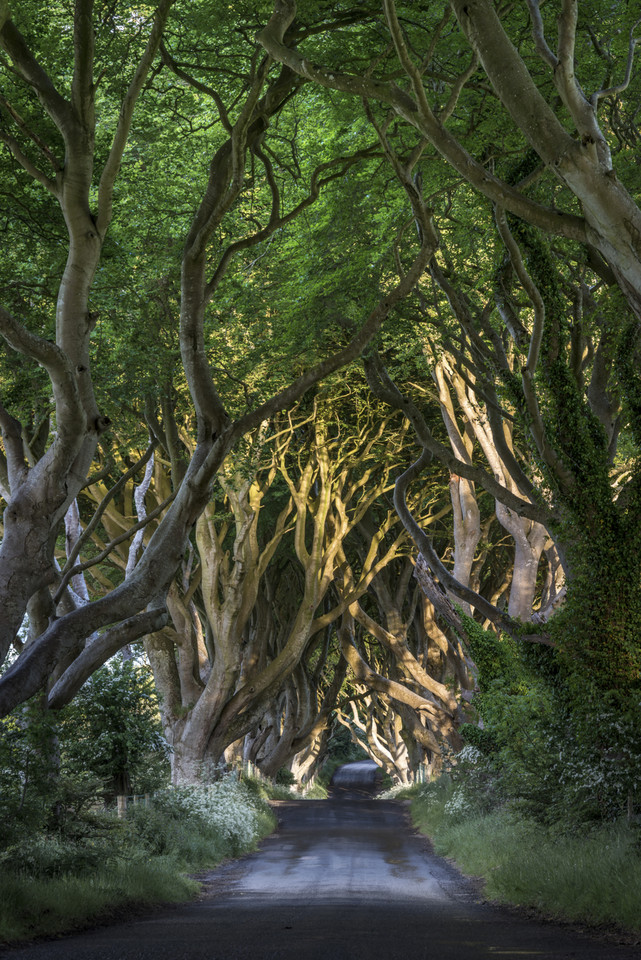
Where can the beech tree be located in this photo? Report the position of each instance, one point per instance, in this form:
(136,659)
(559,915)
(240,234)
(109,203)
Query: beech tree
(553,344)
(68,129)
(580,158)
(223,665)
(255,210)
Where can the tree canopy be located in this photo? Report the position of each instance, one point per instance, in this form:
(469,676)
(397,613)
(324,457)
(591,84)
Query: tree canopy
(327,321)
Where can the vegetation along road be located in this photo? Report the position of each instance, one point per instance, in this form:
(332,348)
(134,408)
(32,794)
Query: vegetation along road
(342,879)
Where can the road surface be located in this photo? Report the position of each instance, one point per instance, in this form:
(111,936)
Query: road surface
(342,879)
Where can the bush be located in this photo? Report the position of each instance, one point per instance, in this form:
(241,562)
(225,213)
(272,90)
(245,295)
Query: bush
(46,855)
(227,807)
(589,875)
(224,818)
(563,765)
(285,777)
(141,859)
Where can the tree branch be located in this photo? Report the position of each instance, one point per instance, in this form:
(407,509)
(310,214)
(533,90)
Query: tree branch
(112,165)
(385,389)
(100,650)
(81,567)
(390,688)
(91,526)
(70,412)
(538,34)
(197,85)
(438,569)
(54,103)
(277,222)
(285,398)
(82,93)
(15,462)
(14,148)
(620,87)
(419,115)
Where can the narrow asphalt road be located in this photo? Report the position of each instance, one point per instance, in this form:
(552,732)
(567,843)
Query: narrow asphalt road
(342,879)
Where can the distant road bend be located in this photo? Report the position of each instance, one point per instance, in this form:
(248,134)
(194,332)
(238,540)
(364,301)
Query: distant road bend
(342,879)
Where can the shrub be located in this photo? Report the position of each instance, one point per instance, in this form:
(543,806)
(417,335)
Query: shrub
(285,777)
(140,859)
(592,875)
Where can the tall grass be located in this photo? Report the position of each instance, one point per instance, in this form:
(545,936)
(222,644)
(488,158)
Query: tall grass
(593,876)
(52,883)
(31,906)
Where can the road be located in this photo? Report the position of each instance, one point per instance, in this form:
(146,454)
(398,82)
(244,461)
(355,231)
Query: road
(342,879)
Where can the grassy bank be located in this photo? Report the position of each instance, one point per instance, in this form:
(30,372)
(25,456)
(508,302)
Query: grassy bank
(590,874)
(53,882)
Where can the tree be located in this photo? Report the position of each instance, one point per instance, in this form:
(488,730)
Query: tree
(506,247)
(553,372)
(68,115)
(112,731)
(579,158)
(244,623)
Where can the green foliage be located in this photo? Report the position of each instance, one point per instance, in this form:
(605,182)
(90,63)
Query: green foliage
(112,730)
(511,696)
(285,777)
(55,768)
(24,764)
(318,791)
(561,765)
(277,789)
(560,729)
(341,749)
(51,855)
(592,877)
(52,883)
(597,631)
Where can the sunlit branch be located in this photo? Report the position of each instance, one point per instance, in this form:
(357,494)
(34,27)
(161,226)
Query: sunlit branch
(139,500)
(68,570)
(383,387)
(436,566)
(81,567)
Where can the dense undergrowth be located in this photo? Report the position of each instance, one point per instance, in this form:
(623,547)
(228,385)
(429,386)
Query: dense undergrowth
(544,801)
(55,880)
(589,872)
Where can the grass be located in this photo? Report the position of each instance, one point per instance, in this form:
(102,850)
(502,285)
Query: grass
(31,907)
(593,877)
(318,791)
(50,884)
